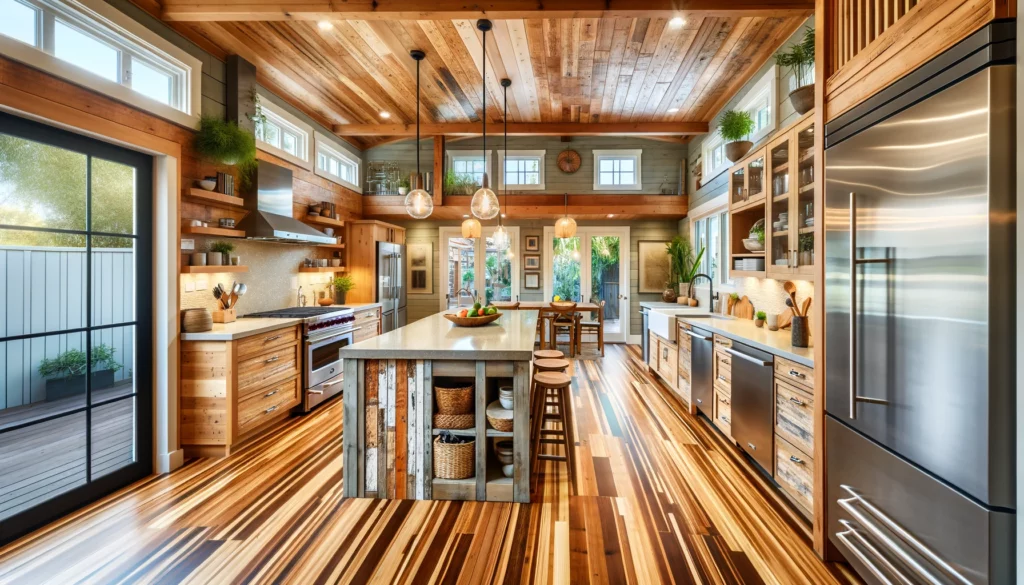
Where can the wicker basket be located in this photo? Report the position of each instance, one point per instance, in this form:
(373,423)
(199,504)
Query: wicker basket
(454,400)
(501,424)
(454,461)
(454,421)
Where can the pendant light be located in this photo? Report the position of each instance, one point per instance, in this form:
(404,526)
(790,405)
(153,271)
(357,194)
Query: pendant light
(485,203)
(500,237)
(565,227)
(418,202)
(471,228)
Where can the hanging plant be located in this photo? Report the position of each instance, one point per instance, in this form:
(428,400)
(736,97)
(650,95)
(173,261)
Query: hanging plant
(225,142)
(800,59)
(735,126)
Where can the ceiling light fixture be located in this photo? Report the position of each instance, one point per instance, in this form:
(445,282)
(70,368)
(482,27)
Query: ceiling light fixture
(677,21)
(385,115)
(500,237)
(418,202)
(485,203)
(471,228)
(565,227)
(673,110)
(611,215)
(325,25)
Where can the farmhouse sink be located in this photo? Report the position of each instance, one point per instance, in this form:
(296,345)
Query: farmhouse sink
(663,321)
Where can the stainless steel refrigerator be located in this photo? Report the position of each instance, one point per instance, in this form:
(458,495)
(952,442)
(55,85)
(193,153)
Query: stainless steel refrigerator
(391,290)
(919,299)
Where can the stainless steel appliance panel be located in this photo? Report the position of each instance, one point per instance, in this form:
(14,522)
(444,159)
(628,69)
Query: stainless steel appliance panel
(387,321)
(930,338)
(385,276)
(896,524)
(702,357)
(753,403)
(399,275)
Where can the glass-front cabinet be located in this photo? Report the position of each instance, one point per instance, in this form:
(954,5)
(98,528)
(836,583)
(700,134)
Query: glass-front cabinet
(790,222)
(746,181)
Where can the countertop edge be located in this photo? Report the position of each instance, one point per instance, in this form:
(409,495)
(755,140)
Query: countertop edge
(706,323)
(230,335)
(443,355)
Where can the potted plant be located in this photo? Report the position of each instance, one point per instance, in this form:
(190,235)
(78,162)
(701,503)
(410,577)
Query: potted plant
(65,374)
(342,284)
(403,186)
(759,319)
(683,266)
(226,143)
(735,127)
(800,58)
(220,253)
(806,248)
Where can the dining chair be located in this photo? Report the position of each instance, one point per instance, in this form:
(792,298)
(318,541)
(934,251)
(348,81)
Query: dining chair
(564,320)
(595,327)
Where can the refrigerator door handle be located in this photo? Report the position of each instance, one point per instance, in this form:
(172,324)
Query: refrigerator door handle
(862,556)
(854,263)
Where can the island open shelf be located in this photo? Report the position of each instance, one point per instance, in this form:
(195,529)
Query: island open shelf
(390,403)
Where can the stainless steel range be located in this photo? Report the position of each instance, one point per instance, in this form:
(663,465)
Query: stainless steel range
(325,330)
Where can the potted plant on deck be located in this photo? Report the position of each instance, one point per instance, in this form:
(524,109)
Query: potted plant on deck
(800,58)
(65,374)
(735,127)
(342,284)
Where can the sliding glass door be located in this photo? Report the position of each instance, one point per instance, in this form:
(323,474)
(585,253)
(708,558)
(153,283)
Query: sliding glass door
(592,266)
(75,349)
(476,268)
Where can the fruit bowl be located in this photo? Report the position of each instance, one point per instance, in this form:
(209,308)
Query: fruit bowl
(752,245)
(471,321)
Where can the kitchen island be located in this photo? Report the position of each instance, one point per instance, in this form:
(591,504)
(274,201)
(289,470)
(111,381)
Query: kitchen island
(389,407)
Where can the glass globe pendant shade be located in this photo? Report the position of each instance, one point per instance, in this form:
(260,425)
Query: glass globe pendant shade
(565,227)
(419,204)
(500,238)
(471,228)
(484,204)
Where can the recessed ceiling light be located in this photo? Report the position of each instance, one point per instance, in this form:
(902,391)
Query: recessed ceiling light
(385,115)
(503,215)
(673,110)
(677,21)
(325,25)
(465,215)
(611,215)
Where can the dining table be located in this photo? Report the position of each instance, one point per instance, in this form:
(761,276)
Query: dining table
(544,308)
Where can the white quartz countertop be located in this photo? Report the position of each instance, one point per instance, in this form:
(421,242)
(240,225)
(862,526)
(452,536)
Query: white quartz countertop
(743,330)
(361,306)
(511,337)
(240,328)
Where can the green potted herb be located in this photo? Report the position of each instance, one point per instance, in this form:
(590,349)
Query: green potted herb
(683,266)
(65,374)
(220,253)
(456,184)
(800,58)
(735,128)
(342,284)
(403,186)
(806,248)
(759,319)
(226,143)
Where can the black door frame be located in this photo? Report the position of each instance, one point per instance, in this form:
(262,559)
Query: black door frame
(94,489)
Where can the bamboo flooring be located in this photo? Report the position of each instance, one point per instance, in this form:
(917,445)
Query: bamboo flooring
(662,499)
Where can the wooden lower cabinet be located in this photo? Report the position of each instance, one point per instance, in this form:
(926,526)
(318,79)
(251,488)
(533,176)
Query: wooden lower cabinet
(684,365)
(232,390)
(794,434)
(663,359)
(723,412)
(367,323)
(794,471)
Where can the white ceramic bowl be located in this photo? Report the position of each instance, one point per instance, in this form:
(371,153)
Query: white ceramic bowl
(508,470)
(208,185)
(752,245)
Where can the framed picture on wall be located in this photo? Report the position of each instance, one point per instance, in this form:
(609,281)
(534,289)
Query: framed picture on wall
(533,243)
(532,280)
(531,261)
(654,267)
(421,269)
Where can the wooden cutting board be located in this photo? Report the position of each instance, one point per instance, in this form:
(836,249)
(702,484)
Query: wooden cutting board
(786,318)
(743,309)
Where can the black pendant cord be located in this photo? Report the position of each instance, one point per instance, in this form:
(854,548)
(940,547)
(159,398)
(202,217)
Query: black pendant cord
(484,69)
(504,118)
(418,146)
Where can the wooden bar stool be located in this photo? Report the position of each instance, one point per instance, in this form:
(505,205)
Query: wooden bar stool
(548,354)
(558,385)
(538,399)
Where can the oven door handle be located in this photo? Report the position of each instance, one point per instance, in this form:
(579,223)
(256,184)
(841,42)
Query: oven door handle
(314,341)
(329,384)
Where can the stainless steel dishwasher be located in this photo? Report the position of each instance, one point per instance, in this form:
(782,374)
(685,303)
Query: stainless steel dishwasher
(753,404)
(702,355)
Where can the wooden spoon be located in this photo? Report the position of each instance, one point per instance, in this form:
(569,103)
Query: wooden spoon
(805,306)
(790,288)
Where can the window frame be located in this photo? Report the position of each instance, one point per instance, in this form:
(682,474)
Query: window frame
(619,154)
(327,147)
(285,121)
(540,155)
(713,143)
(764,89)
(717,208)
(133,42)
(453,155)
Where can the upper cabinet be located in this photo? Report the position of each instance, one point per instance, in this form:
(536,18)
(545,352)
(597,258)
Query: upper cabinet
(746,181)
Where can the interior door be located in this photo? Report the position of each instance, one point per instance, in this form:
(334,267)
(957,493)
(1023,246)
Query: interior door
(606,277)
(75,330)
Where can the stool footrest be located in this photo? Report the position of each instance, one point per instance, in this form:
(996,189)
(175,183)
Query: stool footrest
(551,457)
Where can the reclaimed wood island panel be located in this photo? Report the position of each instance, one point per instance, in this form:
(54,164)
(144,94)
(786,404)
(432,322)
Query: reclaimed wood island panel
(389,408)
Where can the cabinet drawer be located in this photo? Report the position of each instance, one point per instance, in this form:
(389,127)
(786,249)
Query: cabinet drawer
(794,470)
(794,373)
(722,342)
(723,367)
(367,331)
(268,402)
(256,344)
(723,412)
(275,364)
(367,315)
(668,362)
(794,416)
(654,352)
(682,339)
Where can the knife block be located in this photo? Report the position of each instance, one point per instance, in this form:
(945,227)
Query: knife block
(224,316)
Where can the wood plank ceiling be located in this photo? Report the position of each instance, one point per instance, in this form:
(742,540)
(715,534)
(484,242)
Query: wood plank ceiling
(576,70)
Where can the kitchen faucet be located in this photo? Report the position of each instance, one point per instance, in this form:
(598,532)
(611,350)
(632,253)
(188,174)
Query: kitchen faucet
(711,284)
(458,296)
(300,299)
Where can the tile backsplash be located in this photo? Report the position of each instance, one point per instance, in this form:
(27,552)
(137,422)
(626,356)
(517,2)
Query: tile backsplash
(273,278)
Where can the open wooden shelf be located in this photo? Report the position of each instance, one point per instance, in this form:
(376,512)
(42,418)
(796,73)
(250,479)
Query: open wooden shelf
(212,269)
(747,273)
(322,269)
(806,230)
(457,432)
(213,199)
(496,433)
(331,246)
(746,206)
(212,231)
(749,255)
(321,220)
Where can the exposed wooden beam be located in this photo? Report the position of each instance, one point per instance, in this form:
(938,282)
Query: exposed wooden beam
(592,206)
(528,129)
(438,171)
(217,10)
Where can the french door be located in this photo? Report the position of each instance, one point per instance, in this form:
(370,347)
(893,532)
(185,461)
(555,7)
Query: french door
(591,266)
(75,334)
(476,268)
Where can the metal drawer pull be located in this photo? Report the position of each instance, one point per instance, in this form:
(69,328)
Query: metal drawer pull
(725,361)
(265,339)
(797,374)
(269,394)
(726,420)
(270,410)
(271,360)
(744,356)
(697,335)
(796,459)
(722,378)
(315,391)
(875,570)
(752,446)
(797,401)
(329,384)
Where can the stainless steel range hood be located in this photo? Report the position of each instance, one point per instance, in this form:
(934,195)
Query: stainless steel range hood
(270,211)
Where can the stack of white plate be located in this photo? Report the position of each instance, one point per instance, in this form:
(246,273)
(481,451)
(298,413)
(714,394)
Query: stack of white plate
(505,396)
